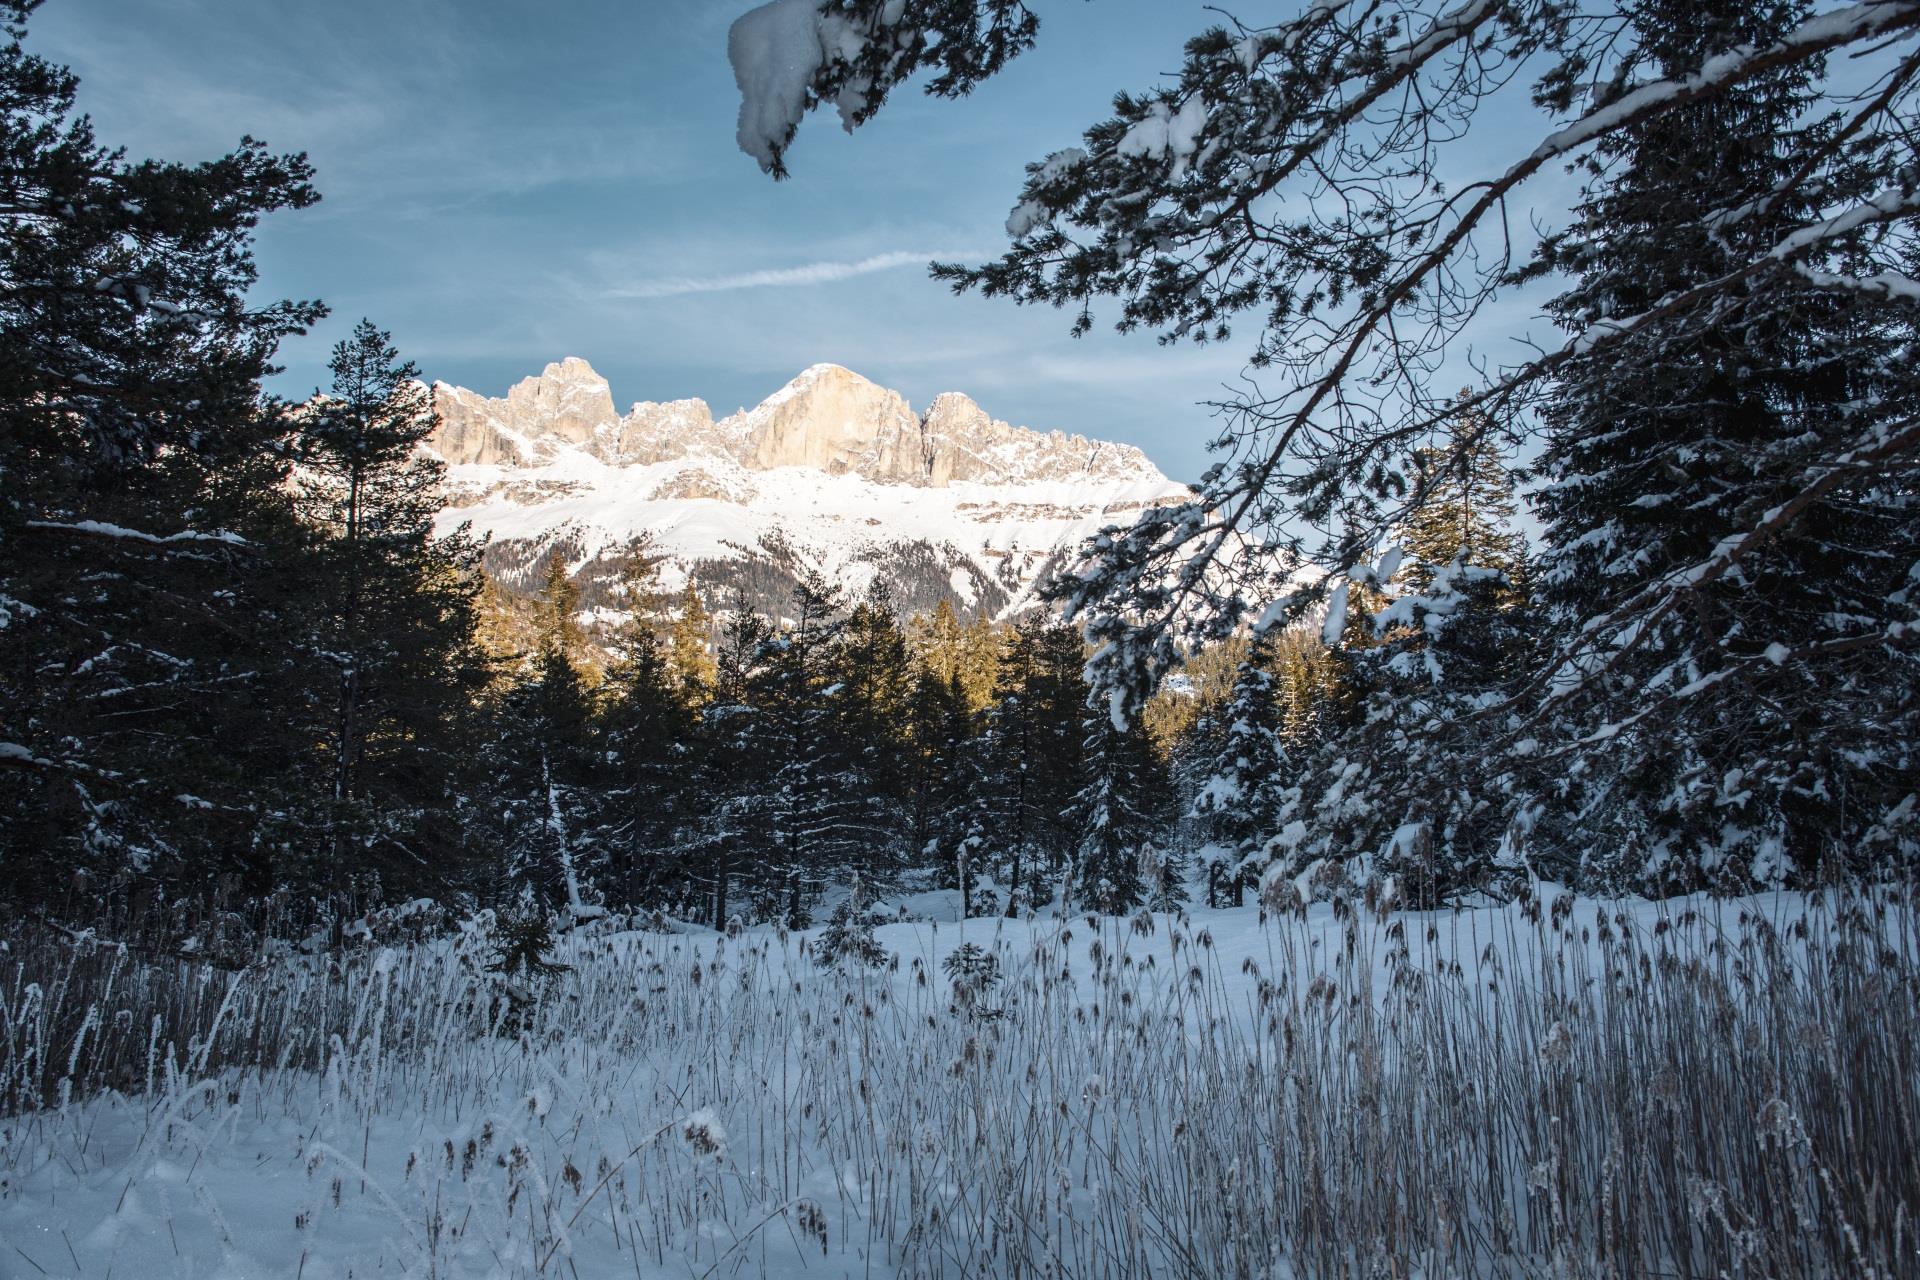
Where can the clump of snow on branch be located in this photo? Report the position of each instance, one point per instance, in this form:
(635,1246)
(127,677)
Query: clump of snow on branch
(1167,134)
(1030,212)
(775,51)
(778,51)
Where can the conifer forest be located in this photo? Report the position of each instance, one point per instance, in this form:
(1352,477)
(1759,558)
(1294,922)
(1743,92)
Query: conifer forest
(1471,828)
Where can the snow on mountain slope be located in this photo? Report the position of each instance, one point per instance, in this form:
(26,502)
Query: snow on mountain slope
(830,472)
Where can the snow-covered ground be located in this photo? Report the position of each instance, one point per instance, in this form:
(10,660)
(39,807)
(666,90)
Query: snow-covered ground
(1547,1087)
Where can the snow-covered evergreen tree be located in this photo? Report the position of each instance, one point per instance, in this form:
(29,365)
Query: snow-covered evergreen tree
(1729,452)
(548,771)
(940,780)
(1723,561)
(646,726)
(870,683)
(148,735)
(1120,809)
(389,618)
(848,936)
(1029,761)
(1242,770)
(728,852)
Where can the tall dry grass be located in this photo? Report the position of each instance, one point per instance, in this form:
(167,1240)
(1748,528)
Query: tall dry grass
(1558,1088)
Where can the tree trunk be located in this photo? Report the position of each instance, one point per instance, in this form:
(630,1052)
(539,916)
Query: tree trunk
(721,874)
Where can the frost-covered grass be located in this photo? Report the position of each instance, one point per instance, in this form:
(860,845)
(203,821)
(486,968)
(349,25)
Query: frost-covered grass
(1554,1087)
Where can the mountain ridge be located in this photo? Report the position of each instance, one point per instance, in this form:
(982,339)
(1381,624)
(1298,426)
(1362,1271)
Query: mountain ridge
(828,418)
(832,472)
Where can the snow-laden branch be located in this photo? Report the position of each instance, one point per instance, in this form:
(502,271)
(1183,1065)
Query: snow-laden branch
(1885,285)
(101,529)
(1773,656)
(1348,342)
(15,756)
(1819,34)
(1630,623)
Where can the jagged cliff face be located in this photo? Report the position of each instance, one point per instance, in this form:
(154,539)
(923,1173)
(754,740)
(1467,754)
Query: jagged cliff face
(828,419)
(830,472)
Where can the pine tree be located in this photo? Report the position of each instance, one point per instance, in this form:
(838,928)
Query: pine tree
(1467,509)
(545,775)
(870,680)
(849,931)
(391,615)
(143,488)
(969,652)
(548,771)
(938,641)
(1242,771)
(691,657)
(980,649)
(556,615)
(938,725)
(785,724)
(1374,732)
(732,842)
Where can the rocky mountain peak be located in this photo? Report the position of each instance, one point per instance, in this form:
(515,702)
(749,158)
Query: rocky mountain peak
(568,400)
(963,442)
(831,419)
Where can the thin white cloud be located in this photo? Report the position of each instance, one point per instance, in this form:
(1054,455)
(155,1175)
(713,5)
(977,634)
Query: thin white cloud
(779,278)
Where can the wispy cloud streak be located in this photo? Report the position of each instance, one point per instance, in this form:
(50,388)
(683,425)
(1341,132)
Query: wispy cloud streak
(779,278)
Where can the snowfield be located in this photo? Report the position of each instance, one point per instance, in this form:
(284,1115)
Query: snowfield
(834,520)
(1550,1087)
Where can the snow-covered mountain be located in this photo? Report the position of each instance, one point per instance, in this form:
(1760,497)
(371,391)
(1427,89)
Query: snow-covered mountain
(832,472)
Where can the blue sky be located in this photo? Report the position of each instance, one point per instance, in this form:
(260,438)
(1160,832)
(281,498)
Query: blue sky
(506,184)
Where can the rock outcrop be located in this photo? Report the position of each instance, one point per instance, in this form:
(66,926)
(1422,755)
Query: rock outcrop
(568,400)
(834,420)
(828,419)
(963,443)
(662,432)
(472,429)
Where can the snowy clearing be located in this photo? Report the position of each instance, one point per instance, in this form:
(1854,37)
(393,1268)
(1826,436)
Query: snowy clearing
(1555,1086)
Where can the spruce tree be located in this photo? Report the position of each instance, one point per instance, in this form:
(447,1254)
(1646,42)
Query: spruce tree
(1119,812)
(871,678)
(731,849)
(556,612)
(980,648)
(646,728)
(1031,752)
(939,728)
(938,641)
(688,648)
(813,791)
(1754,729)
(1390,742)
(548,771)
(1241,773)
(1468,508)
